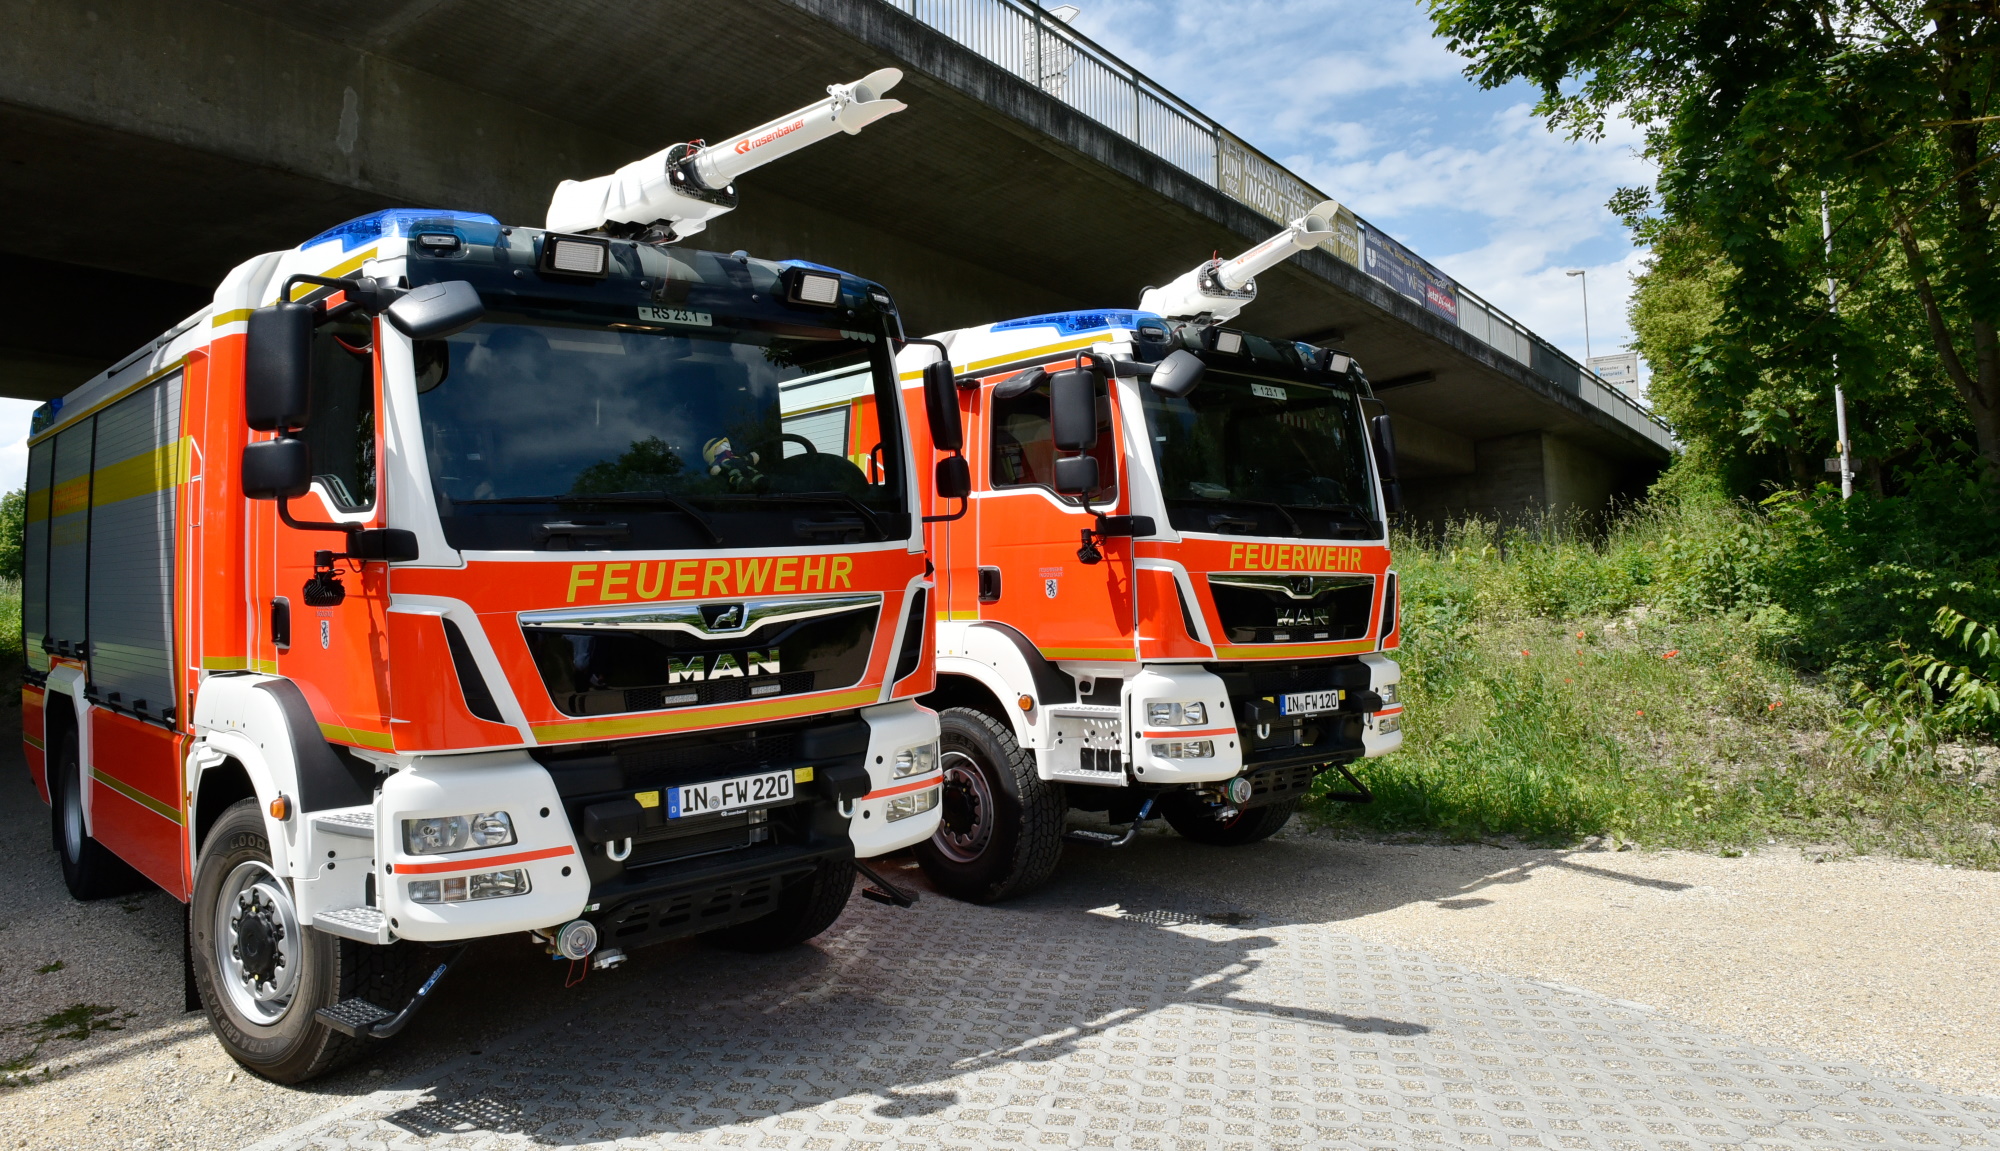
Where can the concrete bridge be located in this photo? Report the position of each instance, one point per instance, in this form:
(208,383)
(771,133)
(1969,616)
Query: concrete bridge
(151,145)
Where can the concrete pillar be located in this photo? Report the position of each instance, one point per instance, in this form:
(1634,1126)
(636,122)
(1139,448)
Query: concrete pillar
(1514,478)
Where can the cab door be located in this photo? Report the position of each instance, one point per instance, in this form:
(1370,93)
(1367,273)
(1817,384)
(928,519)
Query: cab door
(1029,534)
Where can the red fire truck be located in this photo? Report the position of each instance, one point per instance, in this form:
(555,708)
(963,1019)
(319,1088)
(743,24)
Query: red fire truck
(1170,591)
(444,579)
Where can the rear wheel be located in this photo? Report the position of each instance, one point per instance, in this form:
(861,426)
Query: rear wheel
(89,869)
(262,974)
(1001,828)
(1197,821)
(805,909)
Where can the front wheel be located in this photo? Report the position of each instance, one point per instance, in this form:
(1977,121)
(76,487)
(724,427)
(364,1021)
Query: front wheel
(805,909)
(1000,832)
(1197,821)
(262,974)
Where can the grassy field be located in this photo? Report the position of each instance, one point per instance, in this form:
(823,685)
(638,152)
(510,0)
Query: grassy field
(1548,700)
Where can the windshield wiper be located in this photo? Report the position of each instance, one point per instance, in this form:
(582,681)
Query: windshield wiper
(1351,516)
(662,498)
(866,513)
(1279,508)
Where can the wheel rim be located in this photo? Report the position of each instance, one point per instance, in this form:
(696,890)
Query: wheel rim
(257,942)
(72,802)
(965,827)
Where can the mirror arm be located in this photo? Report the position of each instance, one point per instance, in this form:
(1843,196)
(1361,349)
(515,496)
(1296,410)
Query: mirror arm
(285,514)
(964,506)
(380,295)
(964,502)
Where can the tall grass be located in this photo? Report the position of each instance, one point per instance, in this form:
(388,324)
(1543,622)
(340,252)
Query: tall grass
(1642,681)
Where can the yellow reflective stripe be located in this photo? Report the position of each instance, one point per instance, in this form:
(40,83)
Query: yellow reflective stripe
(236,316)
(706,717)
(166,466)
(335,272)
(380,741)
(136,796)
(1294,650)
(31,741)
(69,496)
(1118,653)
(238,663)
(978,366)
(953,616)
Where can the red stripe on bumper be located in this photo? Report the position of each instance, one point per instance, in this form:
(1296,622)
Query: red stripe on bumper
(486,864)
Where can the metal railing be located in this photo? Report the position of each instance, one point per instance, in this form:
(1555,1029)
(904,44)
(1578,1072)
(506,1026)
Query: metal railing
(1030,42)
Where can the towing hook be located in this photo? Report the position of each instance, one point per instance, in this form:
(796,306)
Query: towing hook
(619,851)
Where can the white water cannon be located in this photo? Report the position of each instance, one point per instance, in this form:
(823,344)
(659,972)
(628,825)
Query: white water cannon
(1218,289)
(673,194)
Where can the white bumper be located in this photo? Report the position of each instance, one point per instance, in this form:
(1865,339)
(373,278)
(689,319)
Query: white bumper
(1383,731)
(892,728)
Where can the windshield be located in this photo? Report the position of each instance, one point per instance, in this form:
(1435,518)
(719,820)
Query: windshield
(1250,456)
(551,435)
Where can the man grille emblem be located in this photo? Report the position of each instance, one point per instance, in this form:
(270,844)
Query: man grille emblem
(722,616)
(1302,585)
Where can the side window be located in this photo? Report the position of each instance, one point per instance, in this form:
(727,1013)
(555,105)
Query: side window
(342,432)
(1024,454)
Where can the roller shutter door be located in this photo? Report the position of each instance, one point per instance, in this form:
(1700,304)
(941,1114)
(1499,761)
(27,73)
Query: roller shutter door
(35,560)
(135,486)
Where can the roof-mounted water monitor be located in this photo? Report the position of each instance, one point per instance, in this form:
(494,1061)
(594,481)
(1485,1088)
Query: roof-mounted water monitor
(674,193)
(1214,291)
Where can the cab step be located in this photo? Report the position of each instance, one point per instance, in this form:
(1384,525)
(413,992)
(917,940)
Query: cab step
(364,1020)
(361,924)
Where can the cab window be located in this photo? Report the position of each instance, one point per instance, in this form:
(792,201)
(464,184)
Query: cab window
(342,431)
(1024,454)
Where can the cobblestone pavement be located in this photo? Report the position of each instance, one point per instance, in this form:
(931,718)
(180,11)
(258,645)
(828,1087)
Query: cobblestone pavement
(1068,1020)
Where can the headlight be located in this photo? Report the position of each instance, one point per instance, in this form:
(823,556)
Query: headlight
(1176,714)
(1388,692)
(915,803)
(1183,748)
(439,834)
(917,760)
(461,888)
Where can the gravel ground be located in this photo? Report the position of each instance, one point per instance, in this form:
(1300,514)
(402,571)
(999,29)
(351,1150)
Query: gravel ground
(1869,962)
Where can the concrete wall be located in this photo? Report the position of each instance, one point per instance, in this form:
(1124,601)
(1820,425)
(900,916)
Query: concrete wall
(1517,477)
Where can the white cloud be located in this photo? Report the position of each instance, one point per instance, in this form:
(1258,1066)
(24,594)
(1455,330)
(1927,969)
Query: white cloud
(1363,101)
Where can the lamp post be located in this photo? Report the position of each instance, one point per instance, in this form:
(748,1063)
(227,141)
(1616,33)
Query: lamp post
(1585,273)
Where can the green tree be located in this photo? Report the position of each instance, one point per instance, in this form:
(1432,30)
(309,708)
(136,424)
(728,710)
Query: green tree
(13,528)
(649,465)
(1758,115)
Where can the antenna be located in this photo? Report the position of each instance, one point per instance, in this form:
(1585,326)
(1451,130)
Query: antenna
(1218,289)
(674,193)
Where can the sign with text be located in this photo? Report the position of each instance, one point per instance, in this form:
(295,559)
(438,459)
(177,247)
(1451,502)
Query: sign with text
(1245,175)
(1409,274)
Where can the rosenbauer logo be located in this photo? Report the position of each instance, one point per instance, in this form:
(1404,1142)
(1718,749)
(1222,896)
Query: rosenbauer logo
(746,145)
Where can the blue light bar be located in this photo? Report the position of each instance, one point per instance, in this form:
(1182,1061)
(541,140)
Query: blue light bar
(1076,323)
(404,222)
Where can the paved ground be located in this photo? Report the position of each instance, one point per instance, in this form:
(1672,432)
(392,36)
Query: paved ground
(1305,992)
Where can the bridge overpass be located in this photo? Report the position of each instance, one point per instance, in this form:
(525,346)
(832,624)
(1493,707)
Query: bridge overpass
(152,145)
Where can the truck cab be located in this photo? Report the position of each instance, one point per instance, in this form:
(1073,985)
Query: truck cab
(1183,603)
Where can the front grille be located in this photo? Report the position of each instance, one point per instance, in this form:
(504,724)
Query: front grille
(1260,608)
(1254,679)
(716,691)
(667,917)
(1281,783)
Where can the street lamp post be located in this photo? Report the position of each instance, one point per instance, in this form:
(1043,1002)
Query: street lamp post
(1585,273)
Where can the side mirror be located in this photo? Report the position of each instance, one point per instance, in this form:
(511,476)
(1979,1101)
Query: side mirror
(388,544)
(1073,411)
(1384,436)
(277,367)
(1178,373)
(435,311)
(1124,527)
(941,406)
(1076,475)
(277,469)
(953,478)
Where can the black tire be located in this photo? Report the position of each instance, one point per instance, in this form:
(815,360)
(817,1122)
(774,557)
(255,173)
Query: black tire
(289,1045)
(1002,829)
(1195,820)
(805,909)
(89,869)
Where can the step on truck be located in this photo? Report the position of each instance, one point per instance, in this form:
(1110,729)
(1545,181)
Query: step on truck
(1170,592)
(444,580)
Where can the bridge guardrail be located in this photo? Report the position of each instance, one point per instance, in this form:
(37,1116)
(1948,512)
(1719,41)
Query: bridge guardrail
(1035,44)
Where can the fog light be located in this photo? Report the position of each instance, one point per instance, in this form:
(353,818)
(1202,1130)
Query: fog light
(1183,748)
(915,803)
(1388,692)
(464,888)
(1389,725)
(916,760)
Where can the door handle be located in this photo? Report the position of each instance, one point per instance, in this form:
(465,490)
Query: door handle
(989,585)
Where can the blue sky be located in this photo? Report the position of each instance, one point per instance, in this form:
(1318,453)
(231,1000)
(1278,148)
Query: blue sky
(1363,102)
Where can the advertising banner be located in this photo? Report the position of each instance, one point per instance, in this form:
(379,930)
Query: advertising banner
(1245,175)
(1409,274)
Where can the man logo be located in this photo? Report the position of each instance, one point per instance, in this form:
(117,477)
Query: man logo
(1049,588)
(721,616)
